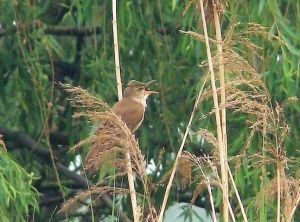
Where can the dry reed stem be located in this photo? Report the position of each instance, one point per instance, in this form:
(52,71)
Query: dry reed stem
(135,207)
(231,212)
(211,201)
(294,207)
(116,49)
(237,195)
(168,188)
(221,75)
(278,193)
(222,147)
(223,101)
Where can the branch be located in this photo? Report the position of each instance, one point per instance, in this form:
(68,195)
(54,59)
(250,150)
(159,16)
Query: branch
(21,138)
(83,31)
(38,149)
(60,138)
(78,31)
(59,31)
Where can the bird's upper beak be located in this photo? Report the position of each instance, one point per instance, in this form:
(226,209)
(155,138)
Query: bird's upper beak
(150,82)
(147,85)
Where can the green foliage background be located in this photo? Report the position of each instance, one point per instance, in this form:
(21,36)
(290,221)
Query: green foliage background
(32,58)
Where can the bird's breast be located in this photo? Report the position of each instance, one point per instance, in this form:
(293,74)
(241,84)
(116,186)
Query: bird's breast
(130,111)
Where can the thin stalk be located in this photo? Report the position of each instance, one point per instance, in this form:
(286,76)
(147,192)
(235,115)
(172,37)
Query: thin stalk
(231,212)
(163,206)
(116,49)
(114,192)
(278,192)
(294,209)
(209,192)
(91,204)
(135,209)
(237,194)
(222,147)
(211,201)
(262,209)
(278,172)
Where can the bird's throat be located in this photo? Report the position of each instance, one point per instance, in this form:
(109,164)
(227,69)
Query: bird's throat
(142,100)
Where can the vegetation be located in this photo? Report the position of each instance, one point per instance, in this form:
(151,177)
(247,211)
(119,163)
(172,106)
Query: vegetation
(63,50)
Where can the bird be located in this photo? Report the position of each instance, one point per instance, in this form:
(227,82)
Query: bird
(130,109)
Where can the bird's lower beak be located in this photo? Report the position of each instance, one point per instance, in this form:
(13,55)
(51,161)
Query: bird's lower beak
(150,92)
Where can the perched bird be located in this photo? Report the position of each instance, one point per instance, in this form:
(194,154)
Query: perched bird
(131,109)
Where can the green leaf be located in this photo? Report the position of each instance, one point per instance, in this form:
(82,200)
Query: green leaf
(174,4)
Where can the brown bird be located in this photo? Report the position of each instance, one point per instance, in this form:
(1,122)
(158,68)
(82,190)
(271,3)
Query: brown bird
(131,109)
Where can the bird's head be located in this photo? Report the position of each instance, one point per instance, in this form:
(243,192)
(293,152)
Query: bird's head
(138,90)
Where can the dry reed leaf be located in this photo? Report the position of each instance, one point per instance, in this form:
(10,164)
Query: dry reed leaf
(151,215)
(290,193)
(198,36)
(292,99)
(206,169)
(239,34)
(201,186)
(82,98)
(234,63)
(94,190)
(291,196)
(188,5)
(184,170)
(207,166)
(209,137)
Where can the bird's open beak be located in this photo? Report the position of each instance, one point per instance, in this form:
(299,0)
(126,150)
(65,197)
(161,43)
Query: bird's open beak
(147,85)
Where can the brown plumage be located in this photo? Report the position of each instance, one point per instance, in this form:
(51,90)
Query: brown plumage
(131,109)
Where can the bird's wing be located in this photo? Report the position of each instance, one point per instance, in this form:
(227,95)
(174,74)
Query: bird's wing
(132,112)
